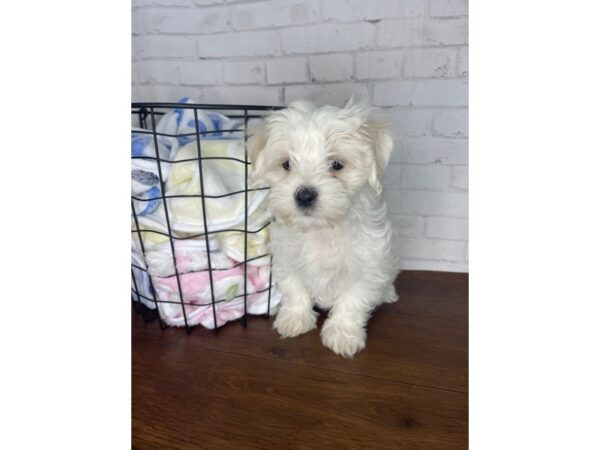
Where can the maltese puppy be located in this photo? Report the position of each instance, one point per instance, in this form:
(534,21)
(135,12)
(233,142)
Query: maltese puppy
(331,239)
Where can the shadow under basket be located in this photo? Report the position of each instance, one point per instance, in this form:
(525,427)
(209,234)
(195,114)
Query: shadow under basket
(200,235)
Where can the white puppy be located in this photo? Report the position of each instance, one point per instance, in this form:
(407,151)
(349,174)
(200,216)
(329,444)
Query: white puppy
(331,239)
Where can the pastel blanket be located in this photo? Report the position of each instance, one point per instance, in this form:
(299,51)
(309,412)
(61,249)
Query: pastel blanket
(141,287)
(211,124)
(228,288)
(191,255)
(145,181)
(224,185)
(224,172)
(227,248)
(176,128)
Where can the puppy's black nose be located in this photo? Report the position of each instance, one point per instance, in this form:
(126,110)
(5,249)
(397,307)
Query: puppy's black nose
(306,197)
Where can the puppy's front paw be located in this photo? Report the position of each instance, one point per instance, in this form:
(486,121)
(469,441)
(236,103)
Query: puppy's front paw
(291,323)
(343,340)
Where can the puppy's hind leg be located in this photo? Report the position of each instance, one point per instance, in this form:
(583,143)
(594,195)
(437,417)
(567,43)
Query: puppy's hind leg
(390,295)
(295,315)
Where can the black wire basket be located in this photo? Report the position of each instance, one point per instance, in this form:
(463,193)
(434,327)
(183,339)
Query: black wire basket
(199,232)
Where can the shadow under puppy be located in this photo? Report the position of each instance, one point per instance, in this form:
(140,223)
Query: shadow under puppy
(331,238)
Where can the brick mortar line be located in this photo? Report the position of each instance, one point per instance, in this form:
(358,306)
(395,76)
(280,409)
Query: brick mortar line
(354,53)
(321,22)
(350,81)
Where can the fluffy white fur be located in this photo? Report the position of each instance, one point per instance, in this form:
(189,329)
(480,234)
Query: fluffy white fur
(339,254)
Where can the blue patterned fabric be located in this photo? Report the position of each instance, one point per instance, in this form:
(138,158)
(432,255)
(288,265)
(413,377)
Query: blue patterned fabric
(175,129)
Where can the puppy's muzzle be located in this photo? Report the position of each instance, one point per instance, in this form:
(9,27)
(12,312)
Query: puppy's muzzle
(306,197)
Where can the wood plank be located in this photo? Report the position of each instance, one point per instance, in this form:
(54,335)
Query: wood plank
(432,294)
(139,328)
(246,388)
(188,397)
(429,352)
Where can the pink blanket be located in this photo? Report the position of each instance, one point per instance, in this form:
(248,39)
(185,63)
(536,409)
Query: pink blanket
(228,286)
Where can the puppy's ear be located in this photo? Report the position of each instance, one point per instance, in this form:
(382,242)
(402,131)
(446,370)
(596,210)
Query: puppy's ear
(382,143)
(378,133)
(257,142)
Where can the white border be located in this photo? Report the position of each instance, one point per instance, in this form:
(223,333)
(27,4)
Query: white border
(65,330)
(534,209)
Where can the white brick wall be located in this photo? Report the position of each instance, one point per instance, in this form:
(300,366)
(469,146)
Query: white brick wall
(336,67)
(409,57)
(244,72)
(374,65)
(287,70)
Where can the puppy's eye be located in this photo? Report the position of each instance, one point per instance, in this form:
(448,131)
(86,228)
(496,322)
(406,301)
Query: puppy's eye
(336,165)
(286,165)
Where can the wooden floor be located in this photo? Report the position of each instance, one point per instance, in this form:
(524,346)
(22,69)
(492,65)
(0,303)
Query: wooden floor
(248,389)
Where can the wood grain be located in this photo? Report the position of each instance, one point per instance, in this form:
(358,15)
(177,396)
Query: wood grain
(246,388)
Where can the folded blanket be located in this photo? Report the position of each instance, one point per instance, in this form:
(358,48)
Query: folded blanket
(181,179)
(211,124)
(258,245)
(145,181)
(190,256)
(226,251)
(228,288)
(142,281)
(220,178)
(147,201)
(224,213)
